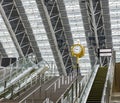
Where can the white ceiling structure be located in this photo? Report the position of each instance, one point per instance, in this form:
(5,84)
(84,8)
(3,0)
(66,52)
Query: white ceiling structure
(76,26)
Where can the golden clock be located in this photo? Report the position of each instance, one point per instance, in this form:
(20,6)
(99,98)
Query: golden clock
(77,50)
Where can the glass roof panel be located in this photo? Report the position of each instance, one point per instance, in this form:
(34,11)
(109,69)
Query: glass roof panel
(77,29)
(115,25)
(6,40)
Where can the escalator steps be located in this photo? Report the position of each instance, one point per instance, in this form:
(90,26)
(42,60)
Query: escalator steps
(98,85)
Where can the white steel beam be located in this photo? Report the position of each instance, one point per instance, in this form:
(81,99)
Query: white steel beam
(94,23)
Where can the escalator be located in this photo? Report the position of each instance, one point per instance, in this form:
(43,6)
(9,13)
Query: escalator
(96,91)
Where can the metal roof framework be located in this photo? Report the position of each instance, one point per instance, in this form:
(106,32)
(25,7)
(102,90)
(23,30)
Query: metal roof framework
(55,28)
(36,25)
(77,28)
(97,27)
(7,48)
(16,29)
(48,28)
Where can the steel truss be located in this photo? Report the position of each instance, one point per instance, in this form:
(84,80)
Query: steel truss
(56,34)
(16,28)
(95,28)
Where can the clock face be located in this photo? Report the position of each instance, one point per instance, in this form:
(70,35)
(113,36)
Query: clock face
(76,49)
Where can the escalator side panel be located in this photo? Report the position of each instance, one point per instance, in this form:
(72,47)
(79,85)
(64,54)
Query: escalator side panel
(116,85)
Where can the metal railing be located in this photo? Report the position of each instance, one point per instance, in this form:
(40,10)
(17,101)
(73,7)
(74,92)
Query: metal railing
(16,68)
(47,100)
(22,83)
(52,88)
(41,80)
(109,81)
(11,72)
(22,74)
(62,80)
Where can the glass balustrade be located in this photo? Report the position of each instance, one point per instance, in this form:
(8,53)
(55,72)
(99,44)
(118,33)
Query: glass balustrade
(21,75)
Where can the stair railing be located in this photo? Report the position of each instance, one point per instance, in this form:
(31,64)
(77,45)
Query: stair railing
(20,82)
(109,81)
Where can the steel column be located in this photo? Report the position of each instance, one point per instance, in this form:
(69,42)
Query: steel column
(51,35)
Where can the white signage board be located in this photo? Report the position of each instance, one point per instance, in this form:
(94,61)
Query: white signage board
(105,50)
(105,54)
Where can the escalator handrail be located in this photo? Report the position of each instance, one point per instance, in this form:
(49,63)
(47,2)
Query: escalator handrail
(11,68)
(109,78)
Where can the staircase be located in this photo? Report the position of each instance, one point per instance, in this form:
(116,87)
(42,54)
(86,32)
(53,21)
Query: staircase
(98,86)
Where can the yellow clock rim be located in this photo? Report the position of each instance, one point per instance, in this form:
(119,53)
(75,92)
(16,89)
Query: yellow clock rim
(78,55)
